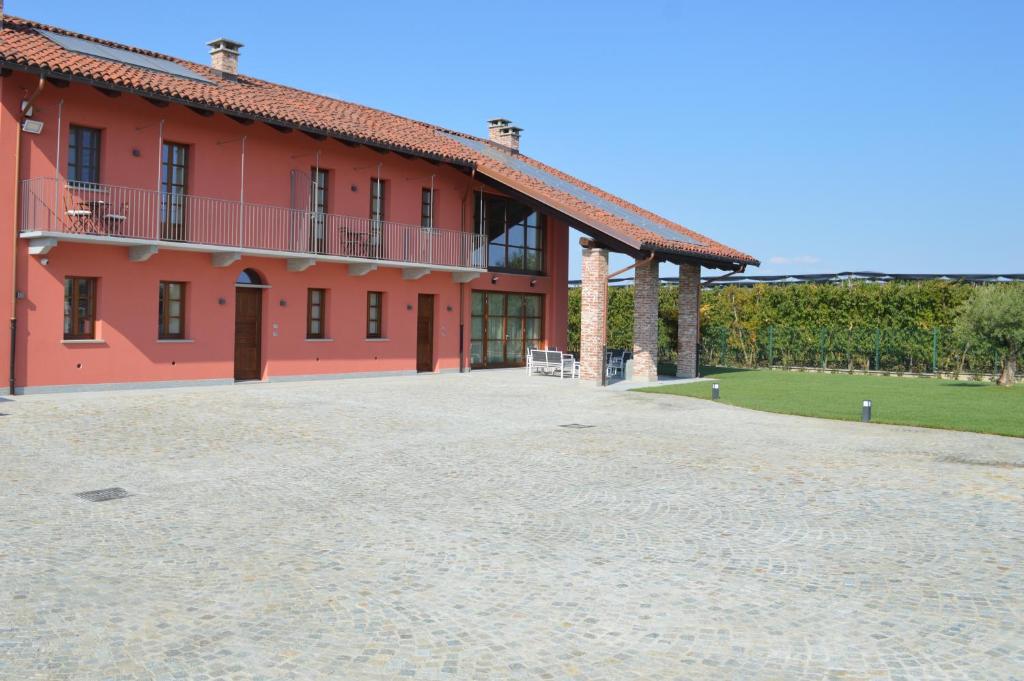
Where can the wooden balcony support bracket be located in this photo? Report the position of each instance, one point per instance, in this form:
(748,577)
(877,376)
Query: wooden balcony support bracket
(300,264)
(360,269)
(141,253)
(225,259)
(464,277)
(414,273)
(41,245)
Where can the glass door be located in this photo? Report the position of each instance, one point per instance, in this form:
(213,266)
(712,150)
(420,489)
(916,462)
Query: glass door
(173,188)
(503,327)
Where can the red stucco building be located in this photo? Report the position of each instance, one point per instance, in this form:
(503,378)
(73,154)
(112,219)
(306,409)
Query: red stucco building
(166,222)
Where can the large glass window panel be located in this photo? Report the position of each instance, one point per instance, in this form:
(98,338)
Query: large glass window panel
(496,352)
(515,305)
(516,259)
(534,261)
(514,329)
(510,227)
(495,328)
(478,303)
(516,235)
(496,304)
(496,255)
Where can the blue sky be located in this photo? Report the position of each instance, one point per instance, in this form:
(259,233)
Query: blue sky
(817,136)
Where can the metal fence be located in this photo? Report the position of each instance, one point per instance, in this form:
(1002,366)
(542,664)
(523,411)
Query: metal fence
(108,211)
(901,350)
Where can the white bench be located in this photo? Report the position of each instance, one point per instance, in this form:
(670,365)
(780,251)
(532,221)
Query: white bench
(552,362)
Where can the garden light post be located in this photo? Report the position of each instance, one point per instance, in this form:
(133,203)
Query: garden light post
(714,391)
(865,411)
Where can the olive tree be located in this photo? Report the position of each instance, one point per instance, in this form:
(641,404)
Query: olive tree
(994,317)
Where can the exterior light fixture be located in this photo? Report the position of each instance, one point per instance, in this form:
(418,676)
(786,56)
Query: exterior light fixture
(284,303)
(714,391)
(494,280)
(32,127)
(408,306)
(449,308)
(533,282)
(865,411)
(222,301)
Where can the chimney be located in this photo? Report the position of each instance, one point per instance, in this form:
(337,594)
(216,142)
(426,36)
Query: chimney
(224,55)
(501,131)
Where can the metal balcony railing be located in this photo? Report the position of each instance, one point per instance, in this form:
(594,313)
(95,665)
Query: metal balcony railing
(53,206)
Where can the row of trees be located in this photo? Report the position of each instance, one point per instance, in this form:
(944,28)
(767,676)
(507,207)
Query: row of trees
(901,326)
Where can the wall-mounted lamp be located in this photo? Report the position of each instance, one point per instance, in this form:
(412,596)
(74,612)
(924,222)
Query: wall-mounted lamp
(222,301)
(355,188)
(494,280)
(284,303)
(408,306)
(31,126)
(44,261)
(136,153)
(449,308)
(533,282)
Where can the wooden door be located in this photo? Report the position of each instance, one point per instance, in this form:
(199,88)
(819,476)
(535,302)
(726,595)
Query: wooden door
(425,333)
(248,317)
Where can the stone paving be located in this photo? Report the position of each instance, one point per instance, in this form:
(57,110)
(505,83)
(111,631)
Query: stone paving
(448,527)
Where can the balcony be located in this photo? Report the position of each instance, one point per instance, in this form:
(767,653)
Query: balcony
(146,221)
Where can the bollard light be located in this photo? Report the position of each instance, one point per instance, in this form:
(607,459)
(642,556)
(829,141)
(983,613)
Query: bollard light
(714,391)
(865,411)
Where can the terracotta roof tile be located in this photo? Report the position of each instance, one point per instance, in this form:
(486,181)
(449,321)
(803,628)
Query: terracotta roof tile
(22,45)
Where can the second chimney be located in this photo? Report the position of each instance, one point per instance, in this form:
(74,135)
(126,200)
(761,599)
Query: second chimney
(224,55)
(501,131)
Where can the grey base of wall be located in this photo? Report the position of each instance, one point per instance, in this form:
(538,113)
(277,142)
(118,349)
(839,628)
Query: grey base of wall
(152,385)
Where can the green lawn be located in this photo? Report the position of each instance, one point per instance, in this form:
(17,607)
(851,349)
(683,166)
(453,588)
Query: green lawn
(956,405)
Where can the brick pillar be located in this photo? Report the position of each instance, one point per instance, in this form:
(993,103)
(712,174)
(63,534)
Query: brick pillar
(645,322)
(689,319)
(593,313)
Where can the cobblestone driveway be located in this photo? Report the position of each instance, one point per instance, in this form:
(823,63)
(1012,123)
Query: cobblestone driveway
(447,527)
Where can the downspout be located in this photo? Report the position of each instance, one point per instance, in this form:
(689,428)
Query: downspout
(462,286)
(14,250)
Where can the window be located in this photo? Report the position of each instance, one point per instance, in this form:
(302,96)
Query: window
(515,234)
(79,308)
(171,310)
(374,314)
(83,155)
(315,302)
(377,187)
(427,208)
(173,187)
(504,326)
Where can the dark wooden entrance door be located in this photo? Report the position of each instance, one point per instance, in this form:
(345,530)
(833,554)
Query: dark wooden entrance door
(248,316)
(425,333)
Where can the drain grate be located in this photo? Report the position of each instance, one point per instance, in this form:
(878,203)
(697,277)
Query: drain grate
(104,494)
(575,425)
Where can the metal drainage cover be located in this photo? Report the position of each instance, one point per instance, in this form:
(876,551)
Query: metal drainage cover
(575,425)
(104,494)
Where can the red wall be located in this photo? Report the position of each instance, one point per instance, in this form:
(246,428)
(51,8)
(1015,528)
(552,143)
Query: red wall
(127,297)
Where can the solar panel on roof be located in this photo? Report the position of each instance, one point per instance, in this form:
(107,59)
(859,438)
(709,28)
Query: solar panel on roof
(123,56)
(580,193)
